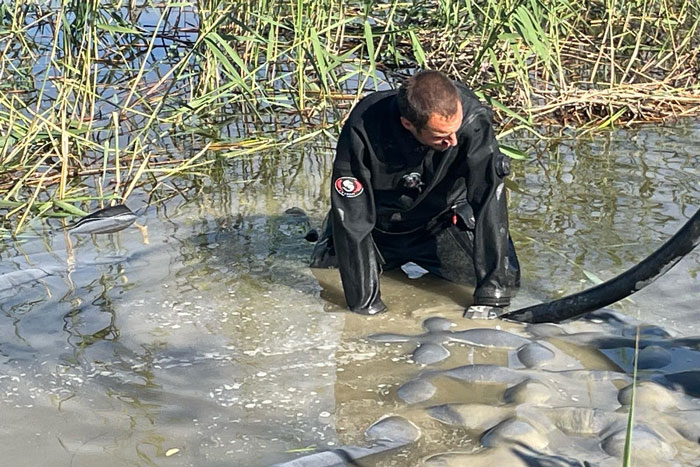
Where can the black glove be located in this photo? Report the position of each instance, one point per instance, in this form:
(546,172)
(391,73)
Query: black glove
(311,236)
(483,312)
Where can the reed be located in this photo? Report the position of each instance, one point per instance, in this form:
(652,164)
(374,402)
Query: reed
(627,454)
(101,100)
(585,64)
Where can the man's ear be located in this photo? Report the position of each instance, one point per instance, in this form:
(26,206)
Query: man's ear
(407,124)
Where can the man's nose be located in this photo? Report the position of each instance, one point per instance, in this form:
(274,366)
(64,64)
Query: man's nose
(451,140)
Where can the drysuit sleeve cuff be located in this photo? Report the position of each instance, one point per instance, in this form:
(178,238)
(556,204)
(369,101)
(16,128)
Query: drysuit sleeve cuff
(491,299)
(375,308)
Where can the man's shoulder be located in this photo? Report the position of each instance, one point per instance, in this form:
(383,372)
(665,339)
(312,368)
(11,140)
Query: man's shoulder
(469,99)
(378,102)
(472,107)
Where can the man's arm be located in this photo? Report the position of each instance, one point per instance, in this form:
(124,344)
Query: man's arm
(487,195)
(353,218)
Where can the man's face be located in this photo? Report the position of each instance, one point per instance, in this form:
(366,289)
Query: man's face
(439,132)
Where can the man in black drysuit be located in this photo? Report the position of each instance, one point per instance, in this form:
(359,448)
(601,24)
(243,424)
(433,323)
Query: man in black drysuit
(418,177)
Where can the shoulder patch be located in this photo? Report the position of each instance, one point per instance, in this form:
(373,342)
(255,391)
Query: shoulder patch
(349,187)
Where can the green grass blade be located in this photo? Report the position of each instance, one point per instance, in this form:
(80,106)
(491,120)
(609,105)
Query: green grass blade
(418,51)
(69,208)
(369,43)
(512,152)
(627,456)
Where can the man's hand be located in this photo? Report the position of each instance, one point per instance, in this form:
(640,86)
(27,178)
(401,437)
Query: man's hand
(483,312)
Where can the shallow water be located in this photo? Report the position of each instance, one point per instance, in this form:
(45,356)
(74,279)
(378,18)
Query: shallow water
(202,339)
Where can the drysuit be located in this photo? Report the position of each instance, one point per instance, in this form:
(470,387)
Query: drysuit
(395,200)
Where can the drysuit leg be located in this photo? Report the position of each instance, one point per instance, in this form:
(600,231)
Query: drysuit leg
(447,253)
(360,283)
(456,249)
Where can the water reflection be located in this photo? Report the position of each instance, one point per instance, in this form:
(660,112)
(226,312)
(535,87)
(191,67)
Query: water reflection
(214,339)
(601,206)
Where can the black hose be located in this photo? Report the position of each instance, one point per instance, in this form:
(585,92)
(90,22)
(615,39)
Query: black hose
(619,287)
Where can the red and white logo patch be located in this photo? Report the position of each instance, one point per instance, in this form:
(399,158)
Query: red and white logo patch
(348,187)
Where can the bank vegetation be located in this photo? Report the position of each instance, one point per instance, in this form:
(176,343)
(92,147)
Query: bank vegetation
(102,99)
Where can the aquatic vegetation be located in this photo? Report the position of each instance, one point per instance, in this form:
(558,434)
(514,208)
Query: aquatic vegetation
(101,99)
(585,64)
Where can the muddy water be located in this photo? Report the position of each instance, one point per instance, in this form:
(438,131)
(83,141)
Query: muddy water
(202,339)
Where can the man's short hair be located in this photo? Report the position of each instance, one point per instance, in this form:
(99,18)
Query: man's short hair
(425,93)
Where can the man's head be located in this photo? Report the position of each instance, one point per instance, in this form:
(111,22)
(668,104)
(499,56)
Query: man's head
(431,109)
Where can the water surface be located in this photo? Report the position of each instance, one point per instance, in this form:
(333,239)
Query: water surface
(203,339)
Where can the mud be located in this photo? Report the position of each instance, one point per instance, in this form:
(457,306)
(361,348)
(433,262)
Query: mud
(538,395)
